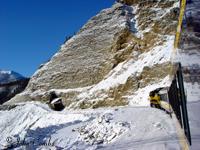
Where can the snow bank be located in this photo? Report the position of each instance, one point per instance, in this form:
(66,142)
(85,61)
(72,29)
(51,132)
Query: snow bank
(18,122)
(35,126)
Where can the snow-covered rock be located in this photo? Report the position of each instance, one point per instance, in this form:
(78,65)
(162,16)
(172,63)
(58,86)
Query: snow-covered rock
(119,51)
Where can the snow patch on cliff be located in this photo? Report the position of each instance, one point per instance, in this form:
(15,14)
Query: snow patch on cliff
(120,74)
(140,98)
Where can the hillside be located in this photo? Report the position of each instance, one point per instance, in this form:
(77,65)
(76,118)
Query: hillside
(115,59)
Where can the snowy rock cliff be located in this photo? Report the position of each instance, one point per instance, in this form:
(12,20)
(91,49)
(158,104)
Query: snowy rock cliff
(114,57)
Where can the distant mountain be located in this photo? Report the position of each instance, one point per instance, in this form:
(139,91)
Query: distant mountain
(9,76)
(11,83)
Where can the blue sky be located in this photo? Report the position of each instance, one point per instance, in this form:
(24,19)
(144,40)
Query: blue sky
(31,31)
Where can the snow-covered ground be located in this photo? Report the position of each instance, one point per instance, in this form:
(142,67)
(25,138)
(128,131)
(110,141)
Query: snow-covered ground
(35,126)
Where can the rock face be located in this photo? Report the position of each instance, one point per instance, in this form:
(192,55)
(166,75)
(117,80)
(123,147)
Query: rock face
(110,58)
(86,58)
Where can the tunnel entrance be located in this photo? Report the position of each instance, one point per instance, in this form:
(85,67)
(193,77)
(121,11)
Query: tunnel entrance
(55,102)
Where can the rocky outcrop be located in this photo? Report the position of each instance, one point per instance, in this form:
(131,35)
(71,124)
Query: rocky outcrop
(112,56)
(85,59)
